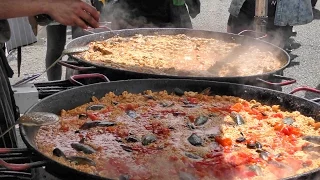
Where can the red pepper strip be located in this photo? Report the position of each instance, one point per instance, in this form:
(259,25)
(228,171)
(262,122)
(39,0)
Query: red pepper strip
(193,100)
(92,116)
(277,115)
(223,141)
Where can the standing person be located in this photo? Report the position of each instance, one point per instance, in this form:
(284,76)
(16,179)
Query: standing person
(68,12)
(282,16)
(126,14)
(56,40)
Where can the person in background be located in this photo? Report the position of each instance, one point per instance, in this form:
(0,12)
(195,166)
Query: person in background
(281,18)
(67,12)
(56,40)
(313,3)
(126,14)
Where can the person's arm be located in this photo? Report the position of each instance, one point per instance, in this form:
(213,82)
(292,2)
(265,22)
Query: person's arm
(67,12)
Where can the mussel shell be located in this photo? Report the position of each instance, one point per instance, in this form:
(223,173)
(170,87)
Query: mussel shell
(132,114)
(178,91)
(124,177)
(206,91)
(82,116)
(313,139)
(126,148)
(58,152)
(288,121)
(166,104)
(186,176)
(82,147)
(81,160)
(258,145)
(195,140)
(148,139)
(264,155)
(192,156)
(201,120)
(240,139)
(256,169)
(251,145)
(237,118)
(132,139)
(92,124)
(95,107)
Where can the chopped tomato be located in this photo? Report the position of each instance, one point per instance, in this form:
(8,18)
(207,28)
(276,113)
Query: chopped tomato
(277,115)
(158,128)
(278,126)
(92,116)
(64,128)
(223,141)
(128,107)
(106,110)
(287,130)
(237,107)
(191,118)
(193,100)
(173,158)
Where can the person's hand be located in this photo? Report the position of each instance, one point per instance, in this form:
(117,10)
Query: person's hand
(73,13)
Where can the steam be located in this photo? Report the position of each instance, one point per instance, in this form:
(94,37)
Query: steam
(125,15)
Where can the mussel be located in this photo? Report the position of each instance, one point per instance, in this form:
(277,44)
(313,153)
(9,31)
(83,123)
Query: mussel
(166,104)
(178,92)
(195,140)
(124,177)
(256,169)
(126,148)
(82,116)
(83,147)
(95,107)
(288,121)
(92,124)
(201,120)
(149,97)
(75,159)
(240,139)
(192,156)
(313,139)
(148,139)
(308,148)
(237,118)
(186,176)
(132,139)
(206,91)
(132,114)
(264,155)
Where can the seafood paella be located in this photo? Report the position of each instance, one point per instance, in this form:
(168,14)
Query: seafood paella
(180,55)
(182,135)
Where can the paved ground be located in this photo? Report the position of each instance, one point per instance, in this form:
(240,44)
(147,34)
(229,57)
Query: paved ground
(213,17)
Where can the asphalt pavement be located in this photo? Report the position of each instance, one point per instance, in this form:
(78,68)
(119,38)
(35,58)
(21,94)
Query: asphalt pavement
(305,68)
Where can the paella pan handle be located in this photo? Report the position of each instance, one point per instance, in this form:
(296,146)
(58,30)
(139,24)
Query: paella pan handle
(287,80)
(74,78)
(305,88)
(75,67)
(255,34)
(19,167)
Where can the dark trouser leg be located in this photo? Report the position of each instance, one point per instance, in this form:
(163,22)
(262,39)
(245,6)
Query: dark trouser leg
(56,40)
(8,114)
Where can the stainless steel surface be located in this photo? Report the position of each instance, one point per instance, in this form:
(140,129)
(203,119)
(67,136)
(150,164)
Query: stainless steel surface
(25,96)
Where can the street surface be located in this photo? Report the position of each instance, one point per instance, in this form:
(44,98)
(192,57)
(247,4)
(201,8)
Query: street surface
(213,16)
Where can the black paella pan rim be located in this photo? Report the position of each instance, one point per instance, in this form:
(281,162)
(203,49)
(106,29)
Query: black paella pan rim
(86,39)
(219,88)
